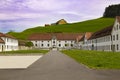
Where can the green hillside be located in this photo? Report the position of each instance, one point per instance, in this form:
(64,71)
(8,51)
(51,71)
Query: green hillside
(85,26)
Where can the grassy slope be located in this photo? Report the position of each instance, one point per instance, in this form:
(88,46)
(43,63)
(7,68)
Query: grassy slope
(96,59)
(85,26)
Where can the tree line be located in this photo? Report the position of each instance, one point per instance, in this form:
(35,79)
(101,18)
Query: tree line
(112,11)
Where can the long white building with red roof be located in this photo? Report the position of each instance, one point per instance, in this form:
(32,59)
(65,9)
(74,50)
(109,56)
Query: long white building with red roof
(54,40)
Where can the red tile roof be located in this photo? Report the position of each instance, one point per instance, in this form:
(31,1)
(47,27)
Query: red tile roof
(87,35)
(67,36)
(49,36)
(2,35)
(6,35)
(1,41)
(40,36)
(79,38)
(104,32)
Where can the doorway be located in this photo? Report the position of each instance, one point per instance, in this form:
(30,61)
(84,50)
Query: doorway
(113,48)
(92,47)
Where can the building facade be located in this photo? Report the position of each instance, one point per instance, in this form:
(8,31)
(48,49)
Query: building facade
(2,43)
(116,35)
(9,43)
(54,40)
(107,39)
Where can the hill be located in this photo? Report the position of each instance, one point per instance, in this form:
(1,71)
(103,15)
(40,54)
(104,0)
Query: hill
(85,26)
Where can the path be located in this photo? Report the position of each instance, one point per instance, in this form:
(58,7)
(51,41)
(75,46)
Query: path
(57,66)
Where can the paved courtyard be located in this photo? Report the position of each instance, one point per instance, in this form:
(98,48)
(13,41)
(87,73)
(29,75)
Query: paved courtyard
(17,62)
(57,66)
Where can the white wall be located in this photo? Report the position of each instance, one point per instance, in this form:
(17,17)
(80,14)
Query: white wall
(100,44)
(42,43)
(1,47)
(63,43)
(115,32)
(10,44)
(104,43)
(53,43)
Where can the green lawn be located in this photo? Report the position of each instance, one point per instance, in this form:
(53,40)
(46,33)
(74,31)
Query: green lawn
(95,59)
(25,52)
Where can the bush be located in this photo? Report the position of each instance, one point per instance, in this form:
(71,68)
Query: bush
(29,44)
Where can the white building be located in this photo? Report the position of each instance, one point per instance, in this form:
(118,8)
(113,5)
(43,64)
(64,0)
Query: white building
(100,40)
(54,40)
(2,43)
(10,43)
(84,41)
(116,35)
(107,39)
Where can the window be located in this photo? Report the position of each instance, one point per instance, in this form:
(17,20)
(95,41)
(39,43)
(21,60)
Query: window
(42,45)
(48,45)
(71,45)
(36,45)
(117,47)
(108,38)
(117,27)
(53,41)
(65,44)
(117,37)
(59,45)
(113,37)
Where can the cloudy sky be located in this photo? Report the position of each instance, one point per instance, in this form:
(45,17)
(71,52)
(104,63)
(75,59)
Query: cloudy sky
(18,15)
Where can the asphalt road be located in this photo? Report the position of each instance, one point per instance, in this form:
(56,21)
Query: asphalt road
(57,66)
